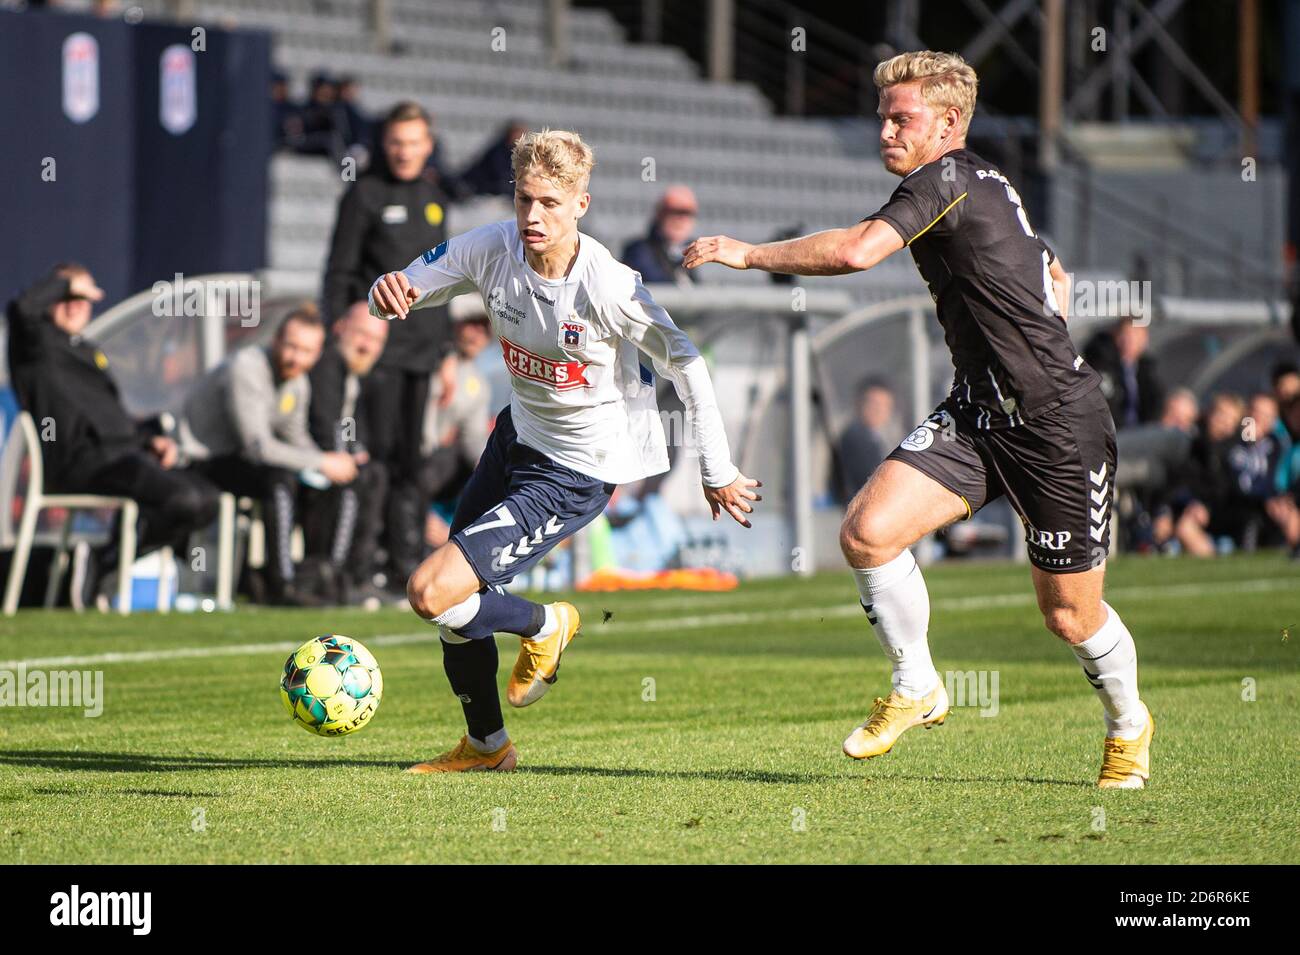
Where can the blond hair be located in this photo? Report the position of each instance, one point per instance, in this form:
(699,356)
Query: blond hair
(555,154)
(946,80)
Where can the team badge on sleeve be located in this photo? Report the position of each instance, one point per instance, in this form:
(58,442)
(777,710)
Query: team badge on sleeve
(434,254)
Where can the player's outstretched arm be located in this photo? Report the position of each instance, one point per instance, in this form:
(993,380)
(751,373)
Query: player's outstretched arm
(434,278)
(633,315)
(832,252)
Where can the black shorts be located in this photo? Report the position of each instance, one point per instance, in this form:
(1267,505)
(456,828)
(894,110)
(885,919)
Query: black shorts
(1056,469)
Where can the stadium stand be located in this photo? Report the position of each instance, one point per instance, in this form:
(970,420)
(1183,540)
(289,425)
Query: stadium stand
(650,104)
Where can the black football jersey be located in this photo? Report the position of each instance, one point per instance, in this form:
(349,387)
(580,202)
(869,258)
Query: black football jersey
(988,274)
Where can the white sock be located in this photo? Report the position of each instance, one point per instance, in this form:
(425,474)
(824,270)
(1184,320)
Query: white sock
(490,745)
(453,618)
(1109,660)
(898,606)
(549,625)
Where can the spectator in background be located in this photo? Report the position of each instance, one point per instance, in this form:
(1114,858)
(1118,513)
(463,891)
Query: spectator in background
(491,174)
(360,131)
(658,255)
(245,427)
(1285,507)
(331,125)
(1129,379)
(286,115)
(93,445)
(1180,411)
(867,440)
(1285,379)
(1209,495)
(455,433)
(320,135)
(1254,461)
(341,524)
(1169,444)
(387,219)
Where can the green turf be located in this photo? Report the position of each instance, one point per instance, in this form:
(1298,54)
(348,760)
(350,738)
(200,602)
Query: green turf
(754,690)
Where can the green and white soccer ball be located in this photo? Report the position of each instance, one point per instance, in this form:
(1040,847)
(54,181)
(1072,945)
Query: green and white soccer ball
(331,685)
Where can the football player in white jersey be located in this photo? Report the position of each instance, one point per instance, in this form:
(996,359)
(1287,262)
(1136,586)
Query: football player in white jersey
(574,325)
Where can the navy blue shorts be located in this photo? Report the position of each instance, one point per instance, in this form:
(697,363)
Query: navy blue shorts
(518,504)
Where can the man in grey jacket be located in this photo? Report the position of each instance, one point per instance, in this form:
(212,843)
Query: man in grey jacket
(245,428)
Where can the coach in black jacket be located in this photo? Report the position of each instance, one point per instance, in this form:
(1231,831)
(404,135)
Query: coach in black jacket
(389,217)
(90,444)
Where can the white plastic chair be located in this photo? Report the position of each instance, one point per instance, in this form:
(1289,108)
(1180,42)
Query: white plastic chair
(23,441)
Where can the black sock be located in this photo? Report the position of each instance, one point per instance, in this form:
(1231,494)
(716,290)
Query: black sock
(472,671)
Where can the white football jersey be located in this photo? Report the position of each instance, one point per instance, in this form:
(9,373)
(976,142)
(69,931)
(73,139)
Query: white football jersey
(573,347)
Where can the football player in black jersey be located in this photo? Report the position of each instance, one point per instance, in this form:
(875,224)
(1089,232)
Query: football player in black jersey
(1025,416)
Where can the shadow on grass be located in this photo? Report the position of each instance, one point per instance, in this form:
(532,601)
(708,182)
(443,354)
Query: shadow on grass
(762,776)
(716,775)
(164,793)
(153,763)
(994,780)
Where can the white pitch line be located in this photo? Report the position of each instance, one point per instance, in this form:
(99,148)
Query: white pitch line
(216,650)
(701,621)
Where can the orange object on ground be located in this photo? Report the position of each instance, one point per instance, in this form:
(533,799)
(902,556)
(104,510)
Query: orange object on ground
(687,578)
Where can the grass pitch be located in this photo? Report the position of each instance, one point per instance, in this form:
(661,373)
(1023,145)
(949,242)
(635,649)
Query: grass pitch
(685,728)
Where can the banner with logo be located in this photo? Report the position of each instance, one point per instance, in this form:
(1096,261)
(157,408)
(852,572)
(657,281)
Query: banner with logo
(131,148)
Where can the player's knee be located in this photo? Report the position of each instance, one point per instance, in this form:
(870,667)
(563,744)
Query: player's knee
(866,541)
(426,592)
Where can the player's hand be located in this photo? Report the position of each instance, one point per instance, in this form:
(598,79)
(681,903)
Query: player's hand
(394,295)
(734,498)
(164,448)
(717,248)
(339,467)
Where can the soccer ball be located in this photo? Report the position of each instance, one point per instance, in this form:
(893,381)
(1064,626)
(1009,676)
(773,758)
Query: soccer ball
(331,685)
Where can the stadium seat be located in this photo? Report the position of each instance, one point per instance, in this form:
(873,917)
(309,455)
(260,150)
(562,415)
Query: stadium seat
(22,440)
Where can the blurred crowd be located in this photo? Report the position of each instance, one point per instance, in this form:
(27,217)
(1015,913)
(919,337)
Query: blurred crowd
(1198,476)
(1207,477)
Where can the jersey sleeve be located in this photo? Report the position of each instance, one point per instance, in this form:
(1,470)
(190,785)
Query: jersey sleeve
(443,272)
(632,314)
(923,201)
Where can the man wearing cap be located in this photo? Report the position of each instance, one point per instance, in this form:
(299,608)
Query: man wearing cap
(90,443)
